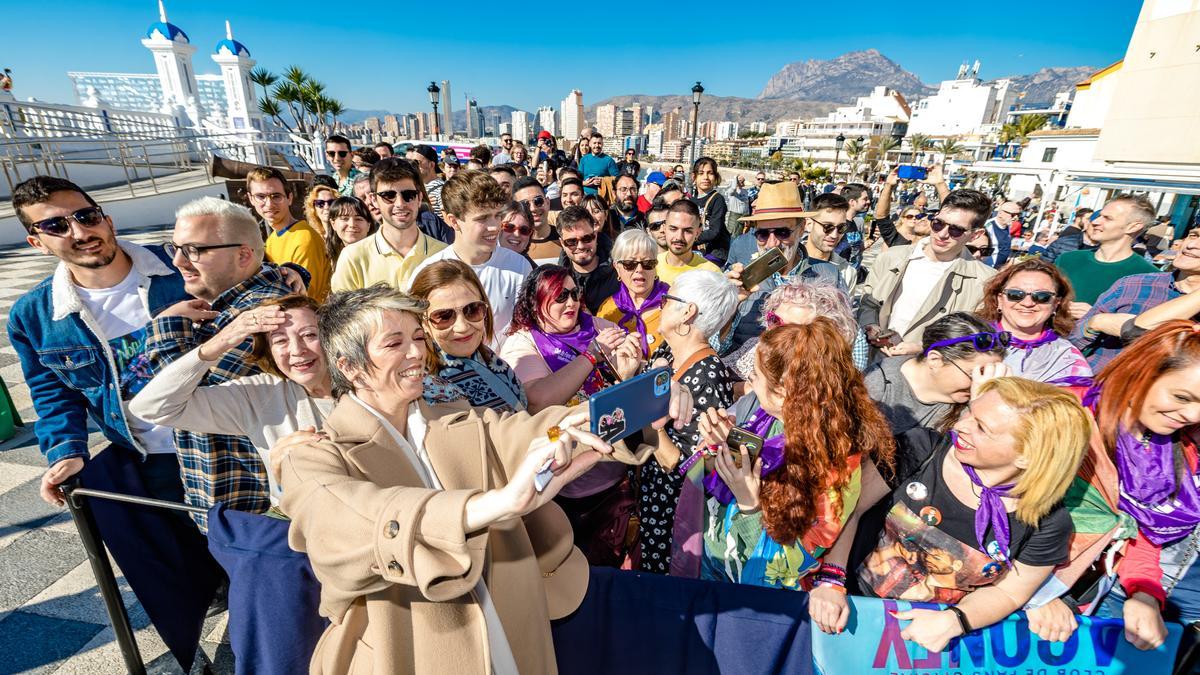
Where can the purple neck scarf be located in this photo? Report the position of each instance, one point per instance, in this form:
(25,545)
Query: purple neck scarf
(1146,474)
(1045,338)
(772,455)
(624,302)
(561,349)
(991,512)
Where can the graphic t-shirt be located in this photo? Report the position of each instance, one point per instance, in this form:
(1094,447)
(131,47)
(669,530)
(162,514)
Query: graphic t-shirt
(122,317)
(928,551)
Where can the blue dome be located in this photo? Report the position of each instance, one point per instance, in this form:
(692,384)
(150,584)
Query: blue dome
(168,30)
(233,47)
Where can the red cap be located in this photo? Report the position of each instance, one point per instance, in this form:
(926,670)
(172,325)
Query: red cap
(545,134)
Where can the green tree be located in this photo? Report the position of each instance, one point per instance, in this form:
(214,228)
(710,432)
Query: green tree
(951,148)
(301,96)
(1019,131)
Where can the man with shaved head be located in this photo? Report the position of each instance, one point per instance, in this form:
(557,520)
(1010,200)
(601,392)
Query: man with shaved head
(1000,235)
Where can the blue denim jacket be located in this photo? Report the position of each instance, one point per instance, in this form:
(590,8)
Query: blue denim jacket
(69,368)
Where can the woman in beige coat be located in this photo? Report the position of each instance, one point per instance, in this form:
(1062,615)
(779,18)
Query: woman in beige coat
(435,550)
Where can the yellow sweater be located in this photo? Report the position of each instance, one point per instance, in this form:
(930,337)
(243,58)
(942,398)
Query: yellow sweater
(300,244)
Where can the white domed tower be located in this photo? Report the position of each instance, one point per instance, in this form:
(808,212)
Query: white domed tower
(173,60)
(236,64)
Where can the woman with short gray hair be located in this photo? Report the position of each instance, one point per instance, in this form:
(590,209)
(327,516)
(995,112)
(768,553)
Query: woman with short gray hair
(697,307)
(417,516)
(637,304)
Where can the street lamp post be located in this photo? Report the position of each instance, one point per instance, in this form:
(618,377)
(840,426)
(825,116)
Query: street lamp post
(837,153)
(696,91)
(434,90)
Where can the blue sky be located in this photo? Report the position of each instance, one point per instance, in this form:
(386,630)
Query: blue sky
(381,55)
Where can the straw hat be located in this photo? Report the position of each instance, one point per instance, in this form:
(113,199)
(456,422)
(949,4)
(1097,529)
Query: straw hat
(564,569)
(778,200)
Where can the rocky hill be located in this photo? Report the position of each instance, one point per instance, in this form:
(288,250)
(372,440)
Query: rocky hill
(842,79)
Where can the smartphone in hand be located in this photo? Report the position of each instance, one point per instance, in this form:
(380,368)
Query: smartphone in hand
(762,267)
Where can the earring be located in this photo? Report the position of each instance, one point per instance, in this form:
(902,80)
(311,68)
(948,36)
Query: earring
(681,334)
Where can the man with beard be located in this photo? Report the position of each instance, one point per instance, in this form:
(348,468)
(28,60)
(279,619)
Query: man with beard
(596,165)
(337,151)
(656,222)
(826,226)
(625,204)
(592,269)
(543,246)
(392,254)
(859,198)
(682,228)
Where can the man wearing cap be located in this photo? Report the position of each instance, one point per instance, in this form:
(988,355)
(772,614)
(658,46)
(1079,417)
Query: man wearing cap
(776,223)
(654,183)
(547,148)
(426,159)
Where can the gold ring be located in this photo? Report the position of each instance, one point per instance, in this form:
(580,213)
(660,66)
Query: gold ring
(553,433)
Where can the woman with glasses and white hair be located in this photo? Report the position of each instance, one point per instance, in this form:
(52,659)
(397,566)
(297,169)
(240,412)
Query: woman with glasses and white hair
(697,308)
(637,305)
(431,527)
(798,301)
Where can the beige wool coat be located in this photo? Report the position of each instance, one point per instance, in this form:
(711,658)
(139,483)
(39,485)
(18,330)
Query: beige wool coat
(396,566)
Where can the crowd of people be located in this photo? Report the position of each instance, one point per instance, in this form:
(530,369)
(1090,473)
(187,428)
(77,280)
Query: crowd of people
(911,404)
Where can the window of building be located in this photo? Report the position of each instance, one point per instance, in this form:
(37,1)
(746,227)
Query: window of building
(1048,154)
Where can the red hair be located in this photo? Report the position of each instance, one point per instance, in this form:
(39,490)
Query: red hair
(540,287)
(827,418)
(1127,379)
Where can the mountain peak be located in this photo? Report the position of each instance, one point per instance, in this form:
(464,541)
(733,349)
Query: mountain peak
(840,78)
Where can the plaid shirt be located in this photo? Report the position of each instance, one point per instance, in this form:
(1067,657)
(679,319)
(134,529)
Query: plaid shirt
(1129,295)
(218,467)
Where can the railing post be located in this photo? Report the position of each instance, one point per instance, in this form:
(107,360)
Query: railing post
(149,168)
(125,166)
(89,534)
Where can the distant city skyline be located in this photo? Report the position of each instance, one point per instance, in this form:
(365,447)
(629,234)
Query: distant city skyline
(495,61)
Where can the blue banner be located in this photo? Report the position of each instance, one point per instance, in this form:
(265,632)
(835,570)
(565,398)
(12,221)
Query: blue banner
(871,643)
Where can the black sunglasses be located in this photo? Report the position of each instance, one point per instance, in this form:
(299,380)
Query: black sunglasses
(631,265)
(61,225)
(829,229)
(389,196)
(762,234)
(337,153)
(323,203)
(1015,295)
(585,239)
(573,293)
(536,201)
(655,225)
(472,311)
(956,232)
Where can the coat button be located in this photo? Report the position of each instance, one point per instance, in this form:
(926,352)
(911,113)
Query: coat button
(392,529)
(395,567)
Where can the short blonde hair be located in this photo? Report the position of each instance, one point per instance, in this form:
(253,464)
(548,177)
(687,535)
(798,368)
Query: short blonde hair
(348,320)
(237,224)
(1052,432)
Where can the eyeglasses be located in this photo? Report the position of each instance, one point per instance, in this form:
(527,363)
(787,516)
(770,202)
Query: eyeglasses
(574,293)
(1015,295)
(389,196)
(960,368)
(513,228)
(61,225)
(336,153)
(911,216)
(585,239)
(473,312)
(655,225)
(192,251)
(269,197)
(956,232)
(323,203)
(631,265)
(982,342)
(762,234)
(829,227)
(1014,214)
(536,202)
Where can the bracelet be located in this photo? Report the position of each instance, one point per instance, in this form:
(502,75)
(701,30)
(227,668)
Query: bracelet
(830,568)
(587,354)
(837,587)
(962,619)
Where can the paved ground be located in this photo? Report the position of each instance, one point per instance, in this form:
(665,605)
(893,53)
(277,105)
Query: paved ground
(52,619)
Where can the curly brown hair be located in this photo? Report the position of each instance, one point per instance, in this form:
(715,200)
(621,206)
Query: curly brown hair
(1060,321)
(827,418)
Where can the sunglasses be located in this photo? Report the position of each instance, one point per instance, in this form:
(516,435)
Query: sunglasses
(676,298)
(1015,295)
(631,265)
(956,232)
(655,225)
(773,320)
(830,228)
(323,203)
(762,234)
(473,312)
(513,228)
(585,239)
(573,293)
(336,153)
(59,226)
(389,196)
(535,202)
(982,341)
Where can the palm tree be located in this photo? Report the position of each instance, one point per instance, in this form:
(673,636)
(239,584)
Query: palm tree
(951,148)
(263,78)
(854,152)
(270,108)
(1020,130)
(920,143)
(886,145)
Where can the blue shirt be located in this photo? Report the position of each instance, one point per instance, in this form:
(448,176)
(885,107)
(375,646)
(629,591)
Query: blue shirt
(596,165)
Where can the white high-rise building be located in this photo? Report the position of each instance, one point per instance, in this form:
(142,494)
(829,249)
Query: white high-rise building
(606,120)
(521,127)
(236,64)
(547,120)
(573,121)
(447,126)
(173,60)
(726,130)
(758,127)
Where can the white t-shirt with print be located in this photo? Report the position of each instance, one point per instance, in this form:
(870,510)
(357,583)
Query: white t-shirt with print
(122,318)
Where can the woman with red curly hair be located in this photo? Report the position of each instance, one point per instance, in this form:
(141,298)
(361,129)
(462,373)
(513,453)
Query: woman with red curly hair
(786,518)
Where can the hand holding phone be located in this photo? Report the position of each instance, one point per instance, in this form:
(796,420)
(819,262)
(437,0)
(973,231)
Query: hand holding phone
(762,267)
(740,438)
